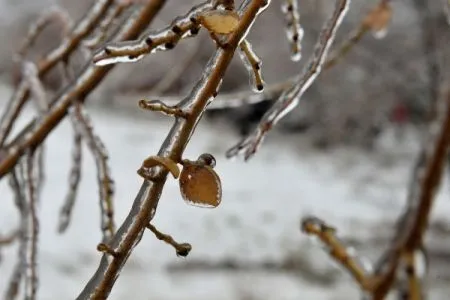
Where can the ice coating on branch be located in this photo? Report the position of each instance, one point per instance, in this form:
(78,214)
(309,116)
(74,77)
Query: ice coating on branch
(294,30)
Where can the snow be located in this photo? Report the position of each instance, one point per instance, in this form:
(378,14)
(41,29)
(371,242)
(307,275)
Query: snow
(256,226)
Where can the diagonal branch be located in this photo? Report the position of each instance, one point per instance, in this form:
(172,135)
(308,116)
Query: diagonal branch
(146,201)
(164,39)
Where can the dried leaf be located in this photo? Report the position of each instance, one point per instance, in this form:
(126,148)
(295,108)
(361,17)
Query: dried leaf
(200,185)
(220,21)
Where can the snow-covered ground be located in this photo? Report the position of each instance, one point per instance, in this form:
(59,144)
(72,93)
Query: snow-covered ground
(250,247)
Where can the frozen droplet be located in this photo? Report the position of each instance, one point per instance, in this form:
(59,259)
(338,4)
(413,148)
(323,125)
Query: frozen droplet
(207,159)
(118,59)
(200,185)
(296,56)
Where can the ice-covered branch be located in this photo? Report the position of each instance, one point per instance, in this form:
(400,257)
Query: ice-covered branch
(145,204)
(294,30)
(290,98)
(253,65)
(105,182)
(164,39)
(74,181)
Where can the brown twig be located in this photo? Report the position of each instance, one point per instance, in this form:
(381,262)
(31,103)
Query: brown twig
(164,39)
(145,204)
(74,181)
(253,65)
(105,182)
(31,228)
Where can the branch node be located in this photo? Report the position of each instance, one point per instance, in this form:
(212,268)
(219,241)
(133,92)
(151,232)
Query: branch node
(102,247)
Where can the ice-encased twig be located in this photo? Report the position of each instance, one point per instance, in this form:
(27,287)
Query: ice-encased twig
(290,98)
(164,39)
(31,228)
(294,30)
(105,182)
(19,199)
(253,65)
(182,249)
(69,44)
(146,201)
(335,247)
(65,214)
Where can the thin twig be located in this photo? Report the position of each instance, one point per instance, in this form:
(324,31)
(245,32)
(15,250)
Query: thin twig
(337,250)
(74,181)
(145,204)
(290,98)
(164,39)
(105,182)
(32,229)
(253,64)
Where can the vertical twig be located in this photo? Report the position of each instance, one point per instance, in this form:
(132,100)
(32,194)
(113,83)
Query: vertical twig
(105,182)
(290,98)
(74,181)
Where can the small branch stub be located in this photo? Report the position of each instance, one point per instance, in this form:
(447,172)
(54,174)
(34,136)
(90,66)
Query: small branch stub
(182,249)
